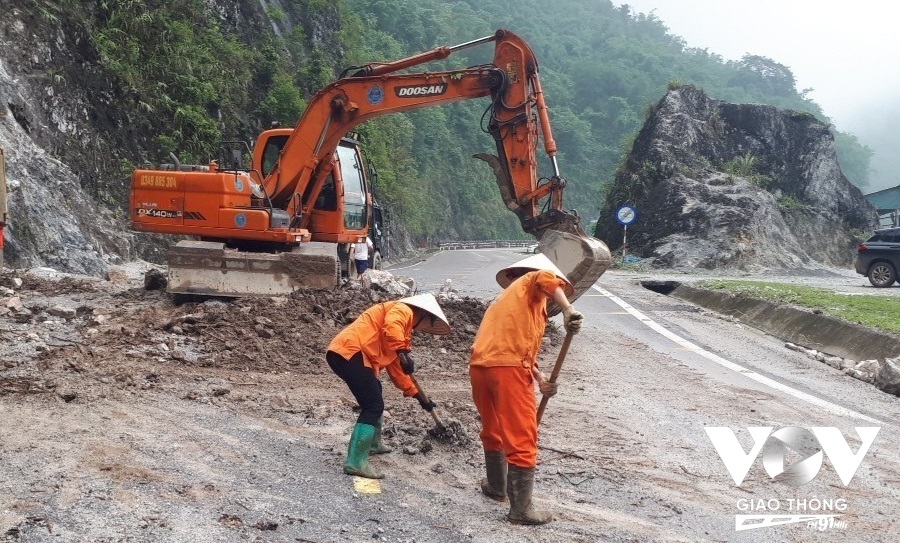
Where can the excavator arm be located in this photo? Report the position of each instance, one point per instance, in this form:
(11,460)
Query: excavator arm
(272,228)
(346,103)
(518,120)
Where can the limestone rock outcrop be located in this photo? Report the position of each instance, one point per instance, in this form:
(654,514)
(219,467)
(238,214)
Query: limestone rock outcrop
(738,186)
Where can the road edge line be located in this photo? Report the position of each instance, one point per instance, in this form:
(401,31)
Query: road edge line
(727,364)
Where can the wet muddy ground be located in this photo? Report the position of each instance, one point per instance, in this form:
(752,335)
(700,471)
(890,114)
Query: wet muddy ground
(127,417)
(108,390)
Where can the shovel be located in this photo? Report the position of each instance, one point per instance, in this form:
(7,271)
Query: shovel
(437,420)
(555,373)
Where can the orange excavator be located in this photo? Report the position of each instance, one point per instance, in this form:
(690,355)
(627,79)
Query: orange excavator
(272,228)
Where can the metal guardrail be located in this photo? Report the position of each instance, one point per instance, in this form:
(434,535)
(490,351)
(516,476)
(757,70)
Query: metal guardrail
(484,244)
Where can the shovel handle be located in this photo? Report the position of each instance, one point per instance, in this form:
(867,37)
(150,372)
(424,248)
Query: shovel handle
(555,373)
(424,394)
(437,421)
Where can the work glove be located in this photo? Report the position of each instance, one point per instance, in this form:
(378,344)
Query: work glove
(426,404)
(572,319)
(406,362)
(547,388)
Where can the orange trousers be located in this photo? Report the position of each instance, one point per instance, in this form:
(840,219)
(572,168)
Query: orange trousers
(504,397)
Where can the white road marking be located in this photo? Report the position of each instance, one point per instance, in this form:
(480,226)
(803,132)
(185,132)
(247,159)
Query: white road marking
(750,374)
(406,267)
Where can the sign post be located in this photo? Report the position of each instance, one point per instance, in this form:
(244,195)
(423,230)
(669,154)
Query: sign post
(626,215)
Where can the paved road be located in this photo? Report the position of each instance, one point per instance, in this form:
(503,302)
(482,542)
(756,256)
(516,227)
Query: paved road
(642,382)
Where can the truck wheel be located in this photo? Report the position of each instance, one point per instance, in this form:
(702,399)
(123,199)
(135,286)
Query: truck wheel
(882,275)
(376,261)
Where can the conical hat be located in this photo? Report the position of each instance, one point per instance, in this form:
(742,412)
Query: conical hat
(429,303)
(532,263)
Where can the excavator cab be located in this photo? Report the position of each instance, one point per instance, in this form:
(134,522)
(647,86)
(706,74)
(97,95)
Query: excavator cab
(339,206)
(242,242)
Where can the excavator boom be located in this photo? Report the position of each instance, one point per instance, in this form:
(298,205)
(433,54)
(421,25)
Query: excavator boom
(308,176)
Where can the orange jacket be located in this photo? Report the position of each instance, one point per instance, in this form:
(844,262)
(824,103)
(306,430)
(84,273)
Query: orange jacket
(379,333)
(513,326)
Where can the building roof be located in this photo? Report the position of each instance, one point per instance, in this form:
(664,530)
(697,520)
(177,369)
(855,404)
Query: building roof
(885,200)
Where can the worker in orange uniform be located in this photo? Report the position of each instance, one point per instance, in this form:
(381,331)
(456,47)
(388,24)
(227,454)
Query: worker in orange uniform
(503,368)
(379,339)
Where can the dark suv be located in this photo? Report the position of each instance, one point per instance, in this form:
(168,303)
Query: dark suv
(878,258)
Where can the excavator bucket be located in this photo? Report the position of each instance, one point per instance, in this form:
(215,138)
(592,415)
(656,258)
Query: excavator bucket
(210,269)
(582,258)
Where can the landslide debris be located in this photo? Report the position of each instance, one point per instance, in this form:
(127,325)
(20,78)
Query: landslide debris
(53,323)
(83,339)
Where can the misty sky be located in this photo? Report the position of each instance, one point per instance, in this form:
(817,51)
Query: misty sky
(845,51)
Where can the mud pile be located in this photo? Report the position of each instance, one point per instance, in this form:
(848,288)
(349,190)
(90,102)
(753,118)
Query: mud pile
(83,339)
(290,333)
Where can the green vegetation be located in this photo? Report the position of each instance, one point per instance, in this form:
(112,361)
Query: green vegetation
(175,64)
(190,77)
(745,166)
(875,311)
(789,202)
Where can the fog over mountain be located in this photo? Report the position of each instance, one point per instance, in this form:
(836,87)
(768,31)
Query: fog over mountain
(876,126)
(843,55)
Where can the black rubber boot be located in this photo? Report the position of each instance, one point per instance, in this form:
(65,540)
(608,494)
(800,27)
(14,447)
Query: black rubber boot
(520,486)
(494,485)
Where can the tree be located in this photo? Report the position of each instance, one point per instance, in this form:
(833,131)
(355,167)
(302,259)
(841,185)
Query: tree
(854,158)
(770,76)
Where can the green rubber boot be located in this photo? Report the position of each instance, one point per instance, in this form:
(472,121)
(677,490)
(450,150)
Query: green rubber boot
(378,446)
(358,452)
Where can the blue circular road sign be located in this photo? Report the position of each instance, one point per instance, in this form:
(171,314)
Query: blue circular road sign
(626,215)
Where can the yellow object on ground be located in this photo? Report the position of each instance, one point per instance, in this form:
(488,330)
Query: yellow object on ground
(366,486)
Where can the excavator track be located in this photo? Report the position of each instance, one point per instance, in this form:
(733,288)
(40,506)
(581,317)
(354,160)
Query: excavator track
(210,269)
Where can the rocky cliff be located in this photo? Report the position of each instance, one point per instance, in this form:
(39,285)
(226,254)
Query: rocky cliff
(55,110)
(735,185)
(72,131)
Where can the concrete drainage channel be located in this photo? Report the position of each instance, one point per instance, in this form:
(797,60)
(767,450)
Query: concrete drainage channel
(863,353)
